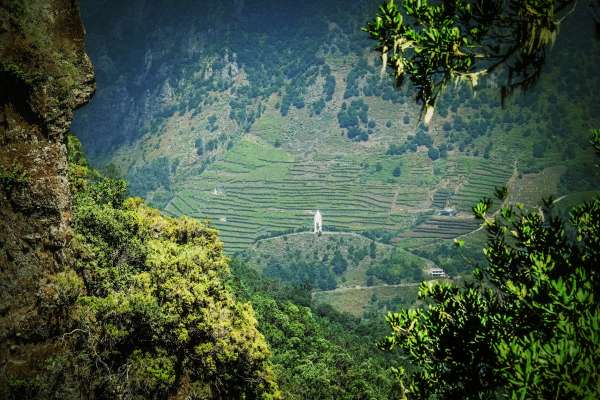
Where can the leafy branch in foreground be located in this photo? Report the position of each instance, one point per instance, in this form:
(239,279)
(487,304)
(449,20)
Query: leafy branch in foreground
(436,43)
(528,326)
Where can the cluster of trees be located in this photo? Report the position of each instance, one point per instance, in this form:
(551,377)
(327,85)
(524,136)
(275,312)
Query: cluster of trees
(244,110)
(396,268)
(364,79)
(359,69)
(580,176)
(381,235)
(151,176)
(339,265)
(203,148)
(317,352)
(355,119)
(422,138)
(452,259)
(314,274)
(143,310)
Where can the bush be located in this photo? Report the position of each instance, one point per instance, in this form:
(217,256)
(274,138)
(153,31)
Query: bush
(433,153)
(528,326)
(147,296)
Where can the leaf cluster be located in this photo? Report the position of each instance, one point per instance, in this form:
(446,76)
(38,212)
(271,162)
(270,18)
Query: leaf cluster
(146,303)
(527,326)
(437,43)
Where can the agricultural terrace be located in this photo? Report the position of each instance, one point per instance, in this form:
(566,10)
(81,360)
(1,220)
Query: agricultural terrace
(258,191)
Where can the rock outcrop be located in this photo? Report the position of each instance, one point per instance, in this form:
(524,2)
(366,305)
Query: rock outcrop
(45,75)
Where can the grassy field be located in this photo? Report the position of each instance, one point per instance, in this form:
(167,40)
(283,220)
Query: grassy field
(355,301)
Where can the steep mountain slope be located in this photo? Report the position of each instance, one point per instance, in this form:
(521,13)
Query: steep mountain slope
(255,114)
(44,75)
(102,296)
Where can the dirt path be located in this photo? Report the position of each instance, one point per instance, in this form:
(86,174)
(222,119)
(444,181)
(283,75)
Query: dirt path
(359,287)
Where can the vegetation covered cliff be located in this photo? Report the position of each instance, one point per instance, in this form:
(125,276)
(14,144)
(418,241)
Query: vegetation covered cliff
(44,75)
(102,297)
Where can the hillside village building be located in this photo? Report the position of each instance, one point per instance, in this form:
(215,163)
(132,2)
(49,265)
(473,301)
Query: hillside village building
(448,212)
(438,273)
(318,222)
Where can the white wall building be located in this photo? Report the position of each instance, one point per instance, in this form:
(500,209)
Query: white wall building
(438,273)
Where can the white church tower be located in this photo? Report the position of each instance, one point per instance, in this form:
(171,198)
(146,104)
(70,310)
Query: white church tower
(318,222)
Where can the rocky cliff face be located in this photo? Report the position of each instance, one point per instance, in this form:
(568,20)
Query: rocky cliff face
(45,74)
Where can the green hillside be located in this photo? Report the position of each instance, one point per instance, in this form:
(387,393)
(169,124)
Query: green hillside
(256,138)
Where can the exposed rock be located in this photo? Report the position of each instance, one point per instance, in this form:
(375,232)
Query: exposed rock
(45,75)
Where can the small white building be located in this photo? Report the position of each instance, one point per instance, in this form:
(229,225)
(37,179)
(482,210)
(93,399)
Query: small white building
(448,212)
(318,225)
(437,272)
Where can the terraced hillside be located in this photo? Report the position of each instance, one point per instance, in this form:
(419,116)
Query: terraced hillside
(258,190)
(257,128)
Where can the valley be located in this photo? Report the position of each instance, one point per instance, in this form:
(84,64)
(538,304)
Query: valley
(256,147)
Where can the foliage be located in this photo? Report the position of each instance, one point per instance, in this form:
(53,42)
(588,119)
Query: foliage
(526,327)
(302,272)
(151,176)
(433,153)
(451,258)
(339,263)
(436,43)
(156,317)
(329,87)
(398,267)
(539,149)
(13,177)
(317,352)
(355,119)
(421,138)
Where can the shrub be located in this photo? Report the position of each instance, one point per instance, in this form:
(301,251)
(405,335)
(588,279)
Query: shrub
(527,326)
(147,296)
(433,153)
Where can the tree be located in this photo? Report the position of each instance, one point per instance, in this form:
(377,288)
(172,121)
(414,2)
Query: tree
(436,43)
(339,263)
(145,304)
(397,171)
(372,249)
(199,145)
(539,149)
(433,153)
(527,326)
